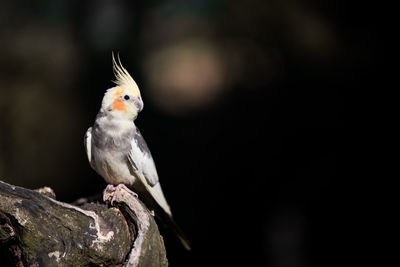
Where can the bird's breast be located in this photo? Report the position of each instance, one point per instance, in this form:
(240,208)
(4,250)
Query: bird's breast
(112,166)
(110,156)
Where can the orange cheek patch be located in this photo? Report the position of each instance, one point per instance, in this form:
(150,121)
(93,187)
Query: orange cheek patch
(118,104)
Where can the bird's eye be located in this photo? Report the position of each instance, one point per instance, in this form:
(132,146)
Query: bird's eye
(126,97)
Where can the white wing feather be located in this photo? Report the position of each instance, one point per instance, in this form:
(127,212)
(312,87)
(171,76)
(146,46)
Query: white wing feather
(143,164)
(88,144)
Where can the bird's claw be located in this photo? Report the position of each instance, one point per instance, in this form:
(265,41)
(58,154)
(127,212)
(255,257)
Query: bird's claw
(115,190)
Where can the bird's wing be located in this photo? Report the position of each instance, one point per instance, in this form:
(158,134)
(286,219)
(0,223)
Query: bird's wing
(88,144)
(141,159)
(143,166)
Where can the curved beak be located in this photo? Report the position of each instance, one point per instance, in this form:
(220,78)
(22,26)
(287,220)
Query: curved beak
(139,103)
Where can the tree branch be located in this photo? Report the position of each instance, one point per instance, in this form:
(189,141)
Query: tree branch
(38,230)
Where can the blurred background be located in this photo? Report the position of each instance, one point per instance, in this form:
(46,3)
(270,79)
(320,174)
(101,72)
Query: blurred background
(246,108)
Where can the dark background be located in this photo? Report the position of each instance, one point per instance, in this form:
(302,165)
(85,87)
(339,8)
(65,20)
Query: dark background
(246,114)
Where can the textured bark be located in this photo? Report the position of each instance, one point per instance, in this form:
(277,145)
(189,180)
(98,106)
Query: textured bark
(37,230)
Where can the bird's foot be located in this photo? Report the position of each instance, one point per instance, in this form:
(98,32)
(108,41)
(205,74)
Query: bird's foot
(115,190)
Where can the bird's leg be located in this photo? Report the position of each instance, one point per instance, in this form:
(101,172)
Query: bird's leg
(118,188)
(115,190)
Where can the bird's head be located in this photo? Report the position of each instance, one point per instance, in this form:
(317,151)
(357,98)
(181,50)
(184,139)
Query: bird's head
(124,100)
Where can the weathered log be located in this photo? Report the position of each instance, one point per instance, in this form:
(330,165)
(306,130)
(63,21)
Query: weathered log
(37,230)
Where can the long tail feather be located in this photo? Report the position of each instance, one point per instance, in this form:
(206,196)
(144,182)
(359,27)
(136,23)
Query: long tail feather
(170,223)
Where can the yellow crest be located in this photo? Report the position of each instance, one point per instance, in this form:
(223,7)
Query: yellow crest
(123,79)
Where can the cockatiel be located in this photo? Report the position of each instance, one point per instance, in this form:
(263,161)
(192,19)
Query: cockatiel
(117,151)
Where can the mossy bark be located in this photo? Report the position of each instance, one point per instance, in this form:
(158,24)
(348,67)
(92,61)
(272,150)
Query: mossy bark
(37,230)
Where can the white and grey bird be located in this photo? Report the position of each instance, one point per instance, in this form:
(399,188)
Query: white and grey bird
(117,151)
